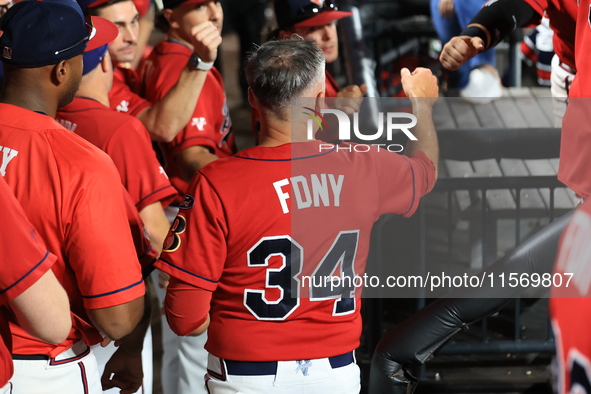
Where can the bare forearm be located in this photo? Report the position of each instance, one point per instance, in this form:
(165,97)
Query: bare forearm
(118,321)
(134,342)
(193,159)
(43,310)
(156,224)
(169,115)
(425,133)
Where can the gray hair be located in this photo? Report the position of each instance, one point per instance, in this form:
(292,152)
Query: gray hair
(281,70)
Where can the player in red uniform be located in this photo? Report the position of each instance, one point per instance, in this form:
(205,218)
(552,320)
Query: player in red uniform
(124,139)
(570,305)
(575,140)
(27,284)
(165,117)
(314,20)
(497,19)
(205,137)
(70,191)
(240,269)
(208,134)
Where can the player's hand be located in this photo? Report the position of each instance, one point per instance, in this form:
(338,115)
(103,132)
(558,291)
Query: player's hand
(206,38)
(420,85)
(459,50)
(446,8)
(349,98)
(127,372)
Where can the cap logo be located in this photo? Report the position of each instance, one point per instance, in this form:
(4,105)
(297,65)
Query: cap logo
(92,33)
(7,53)
(318,2)
(1,33)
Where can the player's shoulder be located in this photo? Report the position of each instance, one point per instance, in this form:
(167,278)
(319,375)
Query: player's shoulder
(169,47)
(73,153)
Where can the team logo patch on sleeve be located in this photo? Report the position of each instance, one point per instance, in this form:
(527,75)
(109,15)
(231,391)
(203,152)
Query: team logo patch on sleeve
(173,239)
(188,202)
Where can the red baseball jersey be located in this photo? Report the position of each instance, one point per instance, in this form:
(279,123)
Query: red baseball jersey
(562,15)
(332,88)
(210,125)
(126,141)
(570,306)
(252,227)
(122,97)
(72,194)
(23,261)
(575,140)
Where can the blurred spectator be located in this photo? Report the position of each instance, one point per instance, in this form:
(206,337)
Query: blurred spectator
(247,18)
(537,50)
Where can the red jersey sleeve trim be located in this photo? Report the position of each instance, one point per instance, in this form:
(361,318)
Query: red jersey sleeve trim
(194,141)
(47,254)
(114,291)
(187,272)
(165,195)
(414,190)
(140,107)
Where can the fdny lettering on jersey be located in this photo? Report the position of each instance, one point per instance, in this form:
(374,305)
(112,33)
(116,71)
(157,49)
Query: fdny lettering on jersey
(7,155)
(67,124)
(310,191)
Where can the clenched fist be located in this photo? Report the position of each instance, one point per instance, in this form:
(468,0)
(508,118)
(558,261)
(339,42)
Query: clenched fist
(421,83)
(459,50)
(206,38)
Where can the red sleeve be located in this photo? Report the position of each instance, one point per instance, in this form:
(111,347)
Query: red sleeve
(195,248)
(146,254)
(403,181)
(98,242)
(24,257)
(210,123)
(141,174)
(186,306)
(122,99)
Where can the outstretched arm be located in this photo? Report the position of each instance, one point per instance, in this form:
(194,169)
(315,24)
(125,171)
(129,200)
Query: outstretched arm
(492,23)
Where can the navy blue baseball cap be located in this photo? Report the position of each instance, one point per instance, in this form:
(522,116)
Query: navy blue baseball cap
(36,33)
(91,59)
(307,13)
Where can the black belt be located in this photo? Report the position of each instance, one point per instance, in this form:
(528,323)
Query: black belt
(30,357)
(255,368)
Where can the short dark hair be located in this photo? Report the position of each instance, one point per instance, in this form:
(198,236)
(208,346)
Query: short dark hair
(280,70)
(161,23)
(94,11)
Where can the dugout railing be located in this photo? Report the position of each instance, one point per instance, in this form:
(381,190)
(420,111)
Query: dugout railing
(437,227)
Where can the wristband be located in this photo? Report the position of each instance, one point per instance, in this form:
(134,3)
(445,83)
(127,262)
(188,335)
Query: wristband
(198,64)
(474,30)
